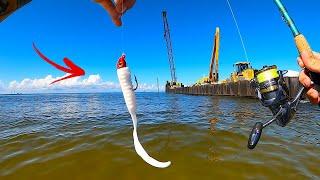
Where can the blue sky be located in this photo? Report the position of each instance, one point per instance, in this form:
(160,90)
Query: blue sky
(83,32)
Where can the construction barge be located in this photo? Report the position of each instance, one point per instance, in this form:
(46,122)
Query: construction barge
(237,85)
(235,89)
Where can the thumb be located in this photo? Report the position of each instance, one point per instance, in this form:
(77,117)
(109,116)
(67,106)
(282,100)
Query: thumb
(123,5)
(310,61)
(111,9)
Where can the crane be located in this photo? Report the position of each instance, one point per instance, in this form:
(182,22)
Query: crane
(214,65)
(169,48)
(213,76)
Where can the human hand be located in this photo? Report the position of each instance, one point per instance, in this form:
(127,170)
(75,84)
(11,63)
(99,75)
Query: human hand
(116,9)
(311,63)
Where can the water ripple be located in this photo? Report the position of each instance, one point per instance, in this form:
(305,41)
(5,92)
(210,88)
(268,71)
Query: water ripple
(89,136)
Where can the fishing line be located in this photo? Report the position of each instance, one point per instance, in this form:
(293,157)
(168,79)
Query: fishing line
(239,32)
(122,28)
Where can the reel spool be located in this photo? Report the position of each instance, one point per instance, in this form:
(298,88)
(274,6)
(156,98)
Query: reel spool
(273,93)
(270,86)
(267,78)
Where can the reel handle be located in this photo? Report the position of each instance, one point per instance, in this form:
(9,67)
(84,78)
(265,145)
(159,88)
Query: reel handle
(303,46)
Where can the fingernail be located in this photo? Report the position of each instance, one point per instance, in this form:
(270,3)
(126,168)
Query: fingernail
(312,83)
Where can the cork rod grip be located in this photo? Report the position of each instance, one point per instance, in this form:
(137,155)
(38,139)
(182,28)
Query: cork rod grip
(303,46)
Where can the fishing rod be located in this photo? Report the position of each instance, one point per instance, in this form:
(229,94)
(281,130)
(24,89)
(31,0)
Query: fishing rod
(300,40)
(272,90)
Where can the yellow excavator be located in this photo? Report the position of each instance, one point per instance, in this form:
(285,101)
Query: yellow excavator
(243,71)
(213,76)
(7,7)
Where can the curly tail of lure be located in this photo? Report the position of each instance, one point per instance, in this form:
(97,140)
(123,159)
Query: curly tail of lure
(124,76)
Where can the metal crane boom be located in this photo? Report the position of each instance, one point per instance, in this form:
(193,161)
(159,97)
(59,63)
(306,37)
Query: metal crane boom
(169,47)
(214,65)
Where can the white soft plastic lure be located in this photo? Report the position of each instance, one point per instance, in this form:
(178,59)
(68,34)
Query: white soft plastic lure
(124,76)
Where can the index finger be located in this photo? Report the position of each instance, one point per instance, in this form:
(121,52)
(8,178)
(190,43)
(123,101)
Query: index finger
(311,61)
(305,79)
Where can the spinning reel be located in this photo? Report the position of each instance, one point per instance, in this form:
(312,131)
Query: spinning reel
(273,93)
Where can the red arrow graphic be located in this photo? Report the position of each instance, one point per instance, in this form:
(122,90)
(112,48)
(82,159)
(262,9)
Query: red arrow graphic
(74,70)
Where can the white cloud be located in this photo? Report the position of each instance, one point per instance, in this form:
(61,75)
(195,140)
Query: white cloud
(149,87)
(93,83)
(78,84)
